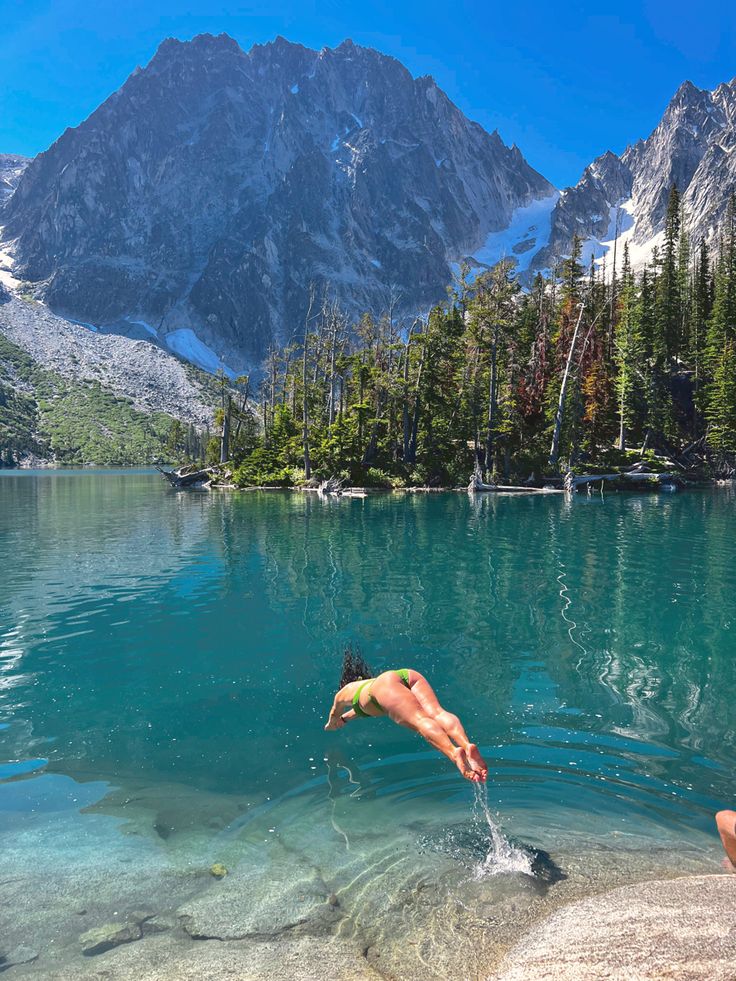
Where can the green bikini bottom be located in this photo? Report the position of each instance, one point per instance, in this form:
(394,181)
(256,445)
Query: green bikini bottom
(403,673)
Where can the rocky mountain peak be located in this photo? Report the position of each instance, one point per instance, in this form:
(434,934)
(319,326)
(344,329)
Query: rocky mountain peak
(691,147)
(217,184)
(686,92)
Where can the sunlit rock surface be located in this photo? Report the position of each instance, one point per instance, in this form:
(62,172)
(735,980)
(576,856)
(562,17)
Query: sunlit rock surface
(682,928)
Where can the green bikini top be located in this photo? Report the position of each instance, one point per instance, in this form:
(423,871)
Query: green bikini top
(403,673)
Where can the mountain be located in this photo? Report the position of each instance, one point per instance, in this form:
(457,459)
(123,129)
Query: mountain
(693,147)
(206,195)
(11,168)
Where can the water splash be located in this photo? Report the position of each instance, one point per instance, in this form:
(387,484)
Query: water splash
(502,858)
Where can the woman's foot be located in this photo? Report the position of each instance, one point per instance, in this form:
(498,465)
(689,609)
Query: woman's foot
(476,762)
(461,762)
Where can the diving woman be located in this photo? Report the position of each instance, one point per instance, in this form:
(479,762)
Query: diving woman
(407,698)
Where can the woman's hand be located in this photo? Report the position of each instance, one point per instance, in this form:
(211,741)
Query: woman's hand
(334,723)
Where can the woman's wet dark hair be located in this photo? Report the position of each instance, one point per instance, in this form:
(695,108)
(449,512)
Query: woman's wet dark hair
(354,667)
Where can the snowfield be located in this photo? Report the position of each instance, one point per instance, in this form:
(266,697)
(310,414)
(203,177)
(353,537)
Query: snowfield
(187,345)
(600,250)
(528,232)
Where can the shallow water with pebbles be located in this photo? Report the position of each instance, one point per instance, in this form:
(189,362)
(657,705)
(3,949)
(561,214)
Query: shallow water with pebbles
(166,661)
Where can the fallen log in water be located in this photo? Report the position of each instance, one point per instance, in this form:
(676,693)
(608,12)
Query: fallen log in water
(477,485)
(668,480)
(662,478)
(333,485)
(515,489)
(188,477)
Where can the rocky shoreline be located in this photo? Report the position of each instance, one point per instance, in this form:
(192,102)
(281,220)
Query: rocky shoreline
(663,929)
(678,928)
(156,883)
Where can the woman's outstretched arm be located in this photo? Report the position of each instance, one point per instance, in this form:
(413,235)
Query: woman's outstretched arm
(338,715)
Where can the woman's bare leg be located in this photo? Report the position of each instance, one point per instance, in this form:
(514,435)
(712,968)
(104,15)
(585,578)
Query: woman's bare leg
(424,694)
(726,824)
(403,708)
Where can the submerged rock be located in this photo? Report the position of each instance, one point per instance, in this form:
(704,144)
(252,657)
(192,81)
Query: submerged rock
(22,954)
(679,928)
(158,924)
(100,939)
(260,903)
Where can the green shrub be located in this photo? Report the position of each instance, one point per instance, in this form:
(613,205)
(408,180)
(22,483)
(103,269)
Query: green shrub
(373,477)
(262,469)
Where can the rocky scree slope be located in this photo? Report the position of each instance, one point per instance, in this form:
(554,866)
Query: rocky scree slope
(68,394)
(217,184)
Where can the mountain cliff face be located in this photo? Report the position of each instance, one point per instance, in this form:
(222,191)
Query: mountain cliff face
(626,197)
(11,168)
(216,185)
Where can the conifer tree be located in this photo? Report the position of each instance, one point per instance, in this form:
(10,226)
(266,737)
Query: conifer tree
(668,306)
(700,311)
(722,324)
(721,410)
(683,286)
(628,354)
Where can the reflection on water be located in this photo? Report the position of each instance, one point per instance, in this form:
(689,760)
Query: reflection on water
(197,637)
(176,654)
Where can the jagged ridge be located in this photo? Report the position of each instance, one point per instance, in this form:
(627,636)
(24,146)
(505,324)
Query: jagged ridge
(215,185)
(692,147)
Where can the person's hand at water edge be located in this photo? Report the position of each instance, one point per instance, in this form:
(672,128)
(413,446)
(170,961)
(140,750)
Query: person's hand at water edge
(408,699)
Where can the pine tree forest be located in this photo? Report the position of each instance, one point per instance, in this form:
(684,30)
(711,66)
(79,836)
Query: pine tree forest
(587,368)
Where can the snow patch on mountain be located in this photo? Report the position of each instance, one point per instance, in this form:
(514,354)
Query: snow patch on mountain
(622,231)
(187,345)
(527,233)
(6,266)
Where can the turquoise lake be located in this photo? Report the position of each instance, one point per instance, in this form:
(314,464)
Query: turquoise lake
(168,659)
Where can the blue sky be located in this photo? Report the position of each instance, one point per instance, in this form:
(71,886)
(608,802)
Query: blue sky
(564,81)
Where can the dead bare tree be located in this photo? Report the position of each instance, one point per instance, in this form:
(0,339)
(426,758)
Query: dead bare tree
(554,452)
(305,400)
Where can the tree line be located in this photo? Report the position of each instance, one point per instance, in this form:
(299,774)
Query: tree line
(582,368)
